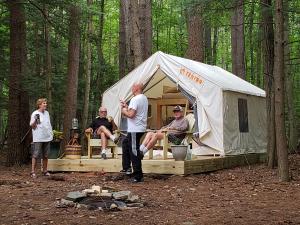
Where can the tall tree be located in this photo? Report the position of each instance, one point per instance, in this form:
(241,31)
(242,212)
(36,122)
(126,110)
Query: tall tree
(195,29)
(237,39)
(70,105)
(88,67)
(208,47)
(251,45)
(281,144)
(268,64)
(214,48)
(16,153)
(289,87)
(48,64)
(122,39)
(146,27)
(136,35)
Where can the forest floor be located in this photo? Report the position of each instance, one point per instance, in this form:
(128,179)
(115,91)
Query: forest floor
(243,195)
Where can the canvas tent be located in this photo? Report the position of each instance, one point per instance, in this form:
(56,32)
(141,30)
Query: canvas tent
(230,112)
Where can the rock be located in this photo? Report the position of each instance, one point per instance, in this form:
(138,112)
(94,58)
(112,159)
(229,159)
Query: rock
(88,191)
(76,195)
(192,189)
(120,204)
(109,195)
(113,206)
(137,204)
(96,188)
(104,191)
(188,223)
(63,203)
(133,198)
(122,195)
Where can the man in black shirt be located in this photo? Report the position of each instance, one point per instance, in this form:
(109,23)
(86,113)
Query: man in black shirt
(103,127)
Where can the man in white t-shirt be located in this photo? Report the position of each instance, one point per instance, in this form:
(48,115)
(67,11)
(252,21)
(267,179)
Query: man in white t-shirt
(136,114)
(42,135)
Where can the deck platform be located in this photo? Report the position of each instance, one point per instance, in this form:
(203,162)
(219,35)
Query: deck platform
(198,165)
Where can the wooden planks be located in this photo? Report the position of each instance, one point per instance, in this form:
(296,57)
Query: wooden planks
(169,166)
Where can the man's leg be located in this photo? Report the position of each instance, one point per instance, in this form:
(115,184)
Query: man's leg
(136,156)
(107,133)
(45,152)
(103,145)
(126,160)
(35,154)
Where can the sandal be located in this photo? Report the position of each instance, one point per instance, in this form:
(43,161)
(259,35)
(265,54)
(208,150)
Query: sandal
(47,174)
(33,175)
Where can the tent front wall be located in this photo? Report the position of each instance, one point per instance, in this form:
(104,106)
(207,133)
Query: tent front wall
(253,141)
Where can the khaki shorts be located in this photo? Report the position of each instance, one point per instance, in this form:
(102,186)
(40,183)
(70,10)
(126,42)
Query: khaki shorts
(40,148)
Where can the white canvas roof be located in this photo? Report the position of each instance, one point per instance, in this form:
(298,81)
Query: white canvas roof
(204,82)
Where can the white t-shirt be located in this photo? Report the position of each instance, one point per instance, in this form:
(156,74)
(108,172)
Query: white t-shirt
(139,122)
(43,132)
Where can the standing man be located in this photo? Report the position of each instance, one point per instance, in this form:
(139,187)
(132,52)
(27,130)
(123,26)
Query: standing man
(42,135)
(136,114)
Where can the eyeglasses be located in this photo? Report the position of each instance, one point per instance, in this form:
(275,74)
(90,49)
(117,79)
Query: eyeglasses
(102,111)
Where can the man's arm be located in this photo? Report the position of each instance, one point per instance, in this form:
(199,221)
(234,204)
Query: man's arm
(130,113)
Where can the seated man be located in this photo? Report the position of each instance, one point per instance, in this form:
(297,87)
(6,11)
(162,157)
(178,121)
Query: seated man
(103,127)
(175,131)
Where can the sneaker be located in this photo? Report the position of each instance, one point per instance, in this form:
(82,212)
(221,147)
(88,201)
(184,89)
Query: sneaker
(136,180)
(33,175)
(128,171)
(46,173)
(103,156)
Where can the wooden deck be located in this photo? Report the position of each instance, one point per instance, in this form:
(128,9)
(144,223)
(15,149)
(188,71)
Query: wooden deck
(170,166)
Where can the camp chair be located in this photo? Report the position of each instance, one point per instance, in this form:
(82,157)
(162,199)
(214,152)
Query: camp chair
(93,142)
(167,145)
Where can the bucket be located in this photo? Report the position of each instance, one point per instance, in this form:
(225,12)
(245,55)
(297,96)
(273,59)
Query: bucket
(73,151)
(179,152)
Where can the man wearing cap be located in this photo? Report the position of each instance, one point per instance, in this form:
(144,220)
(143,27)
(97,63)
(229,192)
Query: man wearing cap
(175,131)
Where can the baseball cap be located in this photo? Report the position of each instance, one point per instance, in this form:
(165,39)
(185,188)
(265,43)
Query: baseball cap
(177,108)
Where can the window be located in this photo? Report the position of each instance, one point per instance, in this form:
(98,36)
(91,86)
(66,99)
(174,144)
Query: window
(243,115)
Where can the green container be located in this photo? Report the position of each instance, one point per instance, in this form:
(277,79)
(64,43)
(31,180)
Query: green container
(54,150)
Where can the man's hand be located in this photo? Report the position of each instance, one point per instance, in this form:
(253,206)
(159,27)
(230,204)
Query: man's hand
(89,130)
(123,104)
(34,125)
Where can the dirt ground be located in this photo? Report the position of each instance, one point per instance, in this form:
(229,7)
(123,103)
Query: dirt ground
(241,195)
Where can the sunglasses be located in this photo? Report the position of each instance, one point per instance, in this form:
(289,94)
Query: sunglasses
(102,111)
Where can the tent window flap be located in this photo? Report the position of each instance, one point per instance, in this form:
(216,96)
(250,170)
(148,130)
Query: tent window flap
(243,115)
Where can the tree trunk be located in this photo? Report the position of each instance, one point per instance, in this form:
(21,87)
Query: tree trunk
(99,79)
(48,69)
(258,54)
(237,40)
(146,27)
(73,65)
(17,70)
(292,122)
(215,44)
(268,62)
(129,35)
(88,67)
(122,40)
(208,50)
(281,144)
(251,46)
(195,29)
(136,36)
